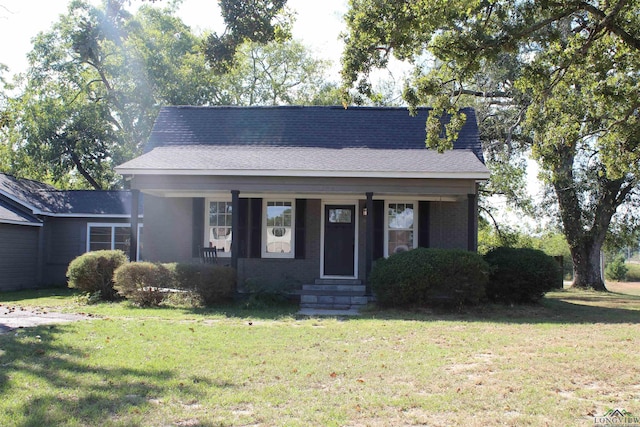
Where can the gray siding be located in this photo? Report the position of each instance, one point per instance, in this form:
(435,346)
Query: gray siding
(168,229)
(448,225)
(65,239)
(18,257)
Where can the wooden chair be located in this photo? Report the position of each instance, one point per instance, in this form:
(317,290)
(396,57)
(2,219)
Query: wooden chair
(209,255)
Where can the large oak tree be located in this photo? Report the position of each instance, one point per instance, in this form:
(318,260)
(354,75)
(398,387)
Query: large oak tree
(562,77)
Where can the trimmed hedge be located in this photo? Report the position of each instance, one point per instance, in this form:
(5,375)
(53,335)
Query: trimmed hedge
(92,272)
(521,275)
(213,283)
(427,276)
(143,282)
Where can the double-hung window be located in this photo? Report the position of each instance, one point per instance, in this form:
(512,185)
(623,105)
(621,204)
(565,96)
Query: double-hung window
(218,231)
(400,227)
(278,229)
(106,236)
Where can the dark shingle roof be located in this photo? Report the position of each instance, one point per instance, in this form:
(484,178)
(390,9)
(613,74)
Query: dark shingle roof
(318,127)
(44,199)
(10,215)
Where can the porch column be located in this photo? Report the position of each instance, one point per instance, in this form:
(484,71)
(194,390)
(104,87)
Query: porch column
(369,240)
(472,223)
(235,223)
(133,236)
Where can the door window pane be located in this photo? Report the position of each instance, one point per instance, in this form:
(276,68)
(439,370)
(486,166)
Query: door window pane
(340,216)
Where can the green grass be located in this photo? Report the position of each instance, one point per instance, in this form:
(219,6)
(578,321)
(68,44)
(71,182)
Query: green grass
(633,273)
(557,363)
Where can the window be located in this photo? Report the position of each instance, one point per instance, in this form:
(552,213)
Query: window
(340,216)
(218,231)
(112,236)
(400,228)
(278,230)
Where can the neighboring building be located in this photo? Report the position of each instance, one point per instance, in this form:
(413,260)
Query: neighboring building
(296,195)
(42,229)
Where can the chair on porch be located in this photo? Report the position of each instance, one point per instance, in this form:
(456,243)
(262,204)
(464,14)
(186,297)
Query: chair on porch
(209,255)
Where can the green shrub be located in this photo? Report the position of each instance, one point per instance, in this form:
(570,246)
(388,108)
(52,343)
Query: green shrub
(92,272)
(429,277)
(616,269)
(143,283)
(521,275)
(213,283)
(633,272)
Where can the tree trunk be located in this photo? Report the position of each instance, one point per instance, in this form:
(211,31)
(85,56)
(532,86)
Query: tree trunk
(587,271)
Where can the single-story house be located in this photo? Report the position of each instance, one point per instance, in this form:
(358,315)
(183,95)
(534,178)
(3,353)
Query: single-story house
(294,196)
(42,229)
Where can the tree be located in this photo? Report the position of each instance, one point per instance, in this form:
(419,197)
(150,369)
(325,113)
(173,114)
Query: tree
(276,74)
(564,74)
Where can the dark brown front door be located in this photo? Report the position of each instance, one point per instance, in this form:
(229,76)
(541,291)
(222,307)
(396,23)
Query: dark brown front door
(339,240)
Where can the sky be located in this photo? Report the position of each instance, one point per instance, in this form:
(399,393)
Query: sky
(318,25)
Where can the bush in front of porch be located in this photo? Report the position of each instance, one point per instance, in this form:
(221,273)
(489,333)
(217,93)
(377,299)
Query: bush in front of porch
(428,277)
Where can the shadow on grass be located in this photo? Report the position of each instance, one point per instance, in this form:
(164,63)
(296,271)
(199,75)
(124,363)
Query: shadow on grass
(560,307)
(564,306)
(43,383)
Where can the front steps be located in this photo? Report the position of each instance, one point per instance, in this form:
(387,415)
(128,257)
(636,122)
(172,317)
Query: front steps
(333,294)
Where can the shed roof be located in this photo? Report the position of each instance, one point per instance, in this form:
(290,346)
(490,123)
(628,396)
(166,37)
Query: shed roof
(44,199)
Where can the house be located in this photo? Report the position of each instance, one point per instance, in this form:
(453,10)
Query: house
(42,229)
(292,196)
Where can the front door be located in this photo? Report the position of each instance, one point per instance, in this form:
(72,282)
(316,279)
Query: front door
(339,240)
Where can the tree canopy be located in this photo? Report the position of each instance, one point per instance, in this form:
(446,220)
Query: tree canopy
(562,79)
(97,78)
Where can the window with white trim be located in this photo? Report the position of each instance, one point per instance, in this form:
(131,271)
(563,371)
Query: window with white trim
(110,236)
(218,230)
(400,227)
(278,229)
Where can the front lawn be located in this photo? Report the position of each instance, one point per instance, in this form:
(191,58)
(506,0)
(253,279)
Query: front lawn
(560,363)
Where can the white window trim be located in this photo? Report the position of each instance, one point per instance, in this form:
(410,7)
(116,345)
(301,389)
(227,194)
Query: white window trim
(205,238)
(113,225)
(264,252)
(386,223)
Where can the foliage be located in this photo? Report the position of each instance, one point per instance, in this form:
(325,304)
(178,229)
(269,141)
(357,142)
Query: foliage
(261,295)
(277,74)
(143,283)
(559,80)
(521,275)
(616,269)
(92,272)
(97,78)
(260,21)
(633,272)
(213,283)
(429,277)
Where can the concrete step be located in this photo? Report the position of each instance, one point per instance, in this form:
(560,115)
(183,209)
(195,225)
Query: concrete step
(338,282)
(334,288)
(348,300)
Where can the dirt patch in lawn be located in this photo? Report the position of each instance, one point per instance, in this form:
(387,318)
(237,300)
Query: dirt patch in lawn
(14,317)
